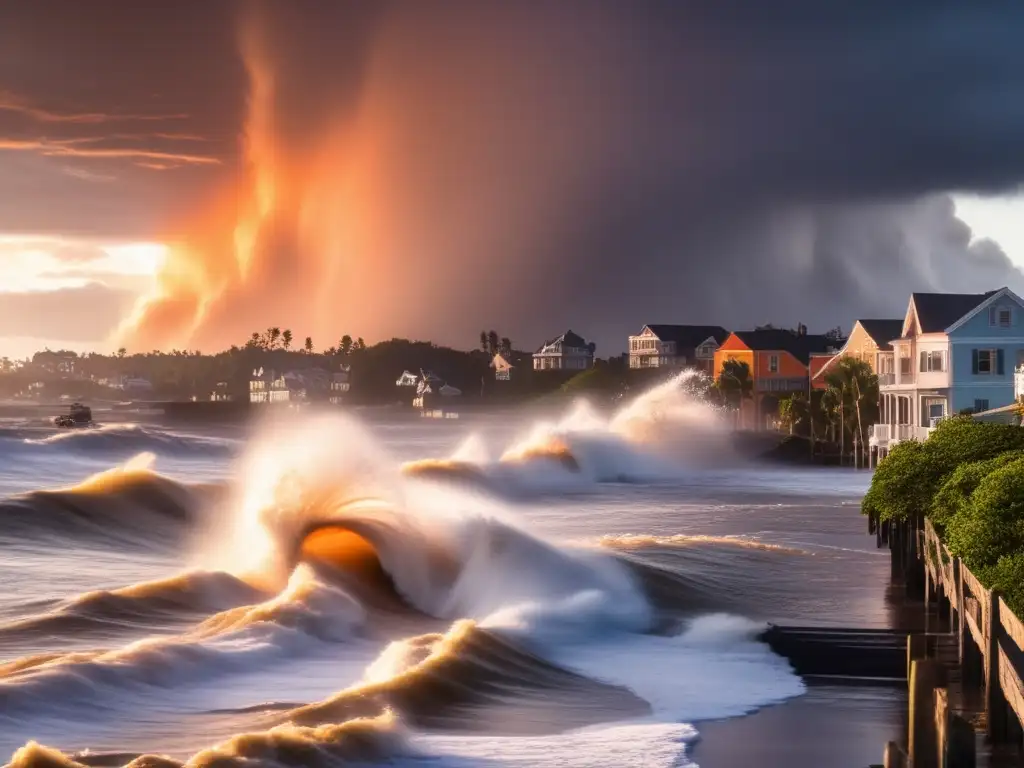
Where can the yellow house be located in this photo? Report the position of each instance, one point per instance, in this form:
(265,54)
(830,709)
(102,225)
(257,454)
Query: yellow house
(867,339)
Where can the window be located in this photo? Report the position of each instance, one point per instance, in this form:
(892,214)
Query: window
(773,363)
(980,405)
(1000,317)
(987,362)
(931,361)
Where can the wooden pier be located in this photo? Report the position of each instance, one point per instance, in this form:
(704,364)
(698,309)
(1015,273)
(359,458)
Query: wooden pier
(878,655)
(964,672)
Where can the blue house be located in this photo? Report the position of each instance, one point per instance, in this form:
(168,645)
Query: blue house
(957,352)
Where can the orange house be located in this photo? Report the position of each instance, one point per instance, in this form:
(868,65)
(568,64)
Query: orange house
(779,362)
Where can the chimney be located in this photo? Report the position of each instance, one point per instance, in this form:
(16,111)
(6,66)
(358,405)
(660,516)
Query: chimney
(801,330)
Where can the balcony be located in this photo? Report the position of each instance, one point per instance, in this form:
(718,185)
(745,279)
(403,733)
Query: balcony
(886,379)
(888,435)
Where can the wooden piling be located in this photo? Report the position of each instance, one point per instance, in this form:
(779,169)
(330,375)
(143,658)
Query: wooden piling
(959,582)
(995,703)
(894,756)
(917,648)
(925,676)
(942,726)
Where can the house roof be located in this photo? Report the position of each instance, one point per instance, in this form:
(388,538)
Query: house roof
(937,311)
(882,331)
(816,367)
(568,338)
(689,336)
(801,346)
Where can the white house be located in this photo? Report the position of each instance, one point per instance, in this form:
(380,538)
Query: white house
(676,346)
(957,353)
(268,387)
(340,385)
(568,352)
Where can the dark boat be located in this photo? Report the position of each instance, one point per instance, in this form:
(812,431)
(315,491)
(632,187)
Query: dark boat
(77,416)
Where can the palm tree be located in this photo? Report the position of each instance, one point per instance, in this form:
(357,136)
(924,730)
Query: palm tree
(275,335)
(309,345)
(345,347)
(793,411)
(735,384)
(483,340)
(853,389)
(506,346)
(286,338)
(360,344)
(492,342)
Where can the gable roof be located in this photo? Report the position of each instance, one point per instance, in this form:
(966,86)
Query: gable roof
(801,346)
(816,367)
(882,331)
(992,296)
(689,336)
(938,311)
(568,338)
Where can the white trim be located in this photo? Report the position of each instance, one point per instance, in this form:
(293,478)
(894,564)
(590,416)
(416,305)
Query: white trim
(994,380)
(1002,292)
(910,315)
(998,341)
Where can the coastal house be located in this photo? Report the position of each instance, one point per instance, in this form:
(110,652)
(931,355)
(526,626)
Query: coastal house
(568,352)
(221,393)
(779,361)
(340,384)
(268,387)
(868,342)
(676,346)
(502,367)
(956,353)
(61,362)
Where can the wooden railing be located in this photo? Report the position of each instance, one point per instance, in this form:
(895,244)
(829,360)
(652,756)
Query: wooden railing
(990,637)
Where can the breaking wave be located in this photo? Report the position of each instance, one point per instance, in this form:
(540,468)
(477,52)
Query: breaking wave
(469,621)
(132,438)
(665,431)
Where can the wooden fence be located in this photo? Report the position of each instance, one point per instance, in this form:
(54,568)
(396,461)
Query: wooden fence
(990,638)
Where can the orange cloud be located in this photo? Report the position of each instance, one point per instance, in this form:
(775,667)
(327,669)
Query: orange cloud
(11,103)
(75,148)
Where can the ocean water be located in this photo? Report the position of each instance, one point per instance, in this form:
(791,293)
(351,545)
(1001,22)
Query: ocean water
(373,589)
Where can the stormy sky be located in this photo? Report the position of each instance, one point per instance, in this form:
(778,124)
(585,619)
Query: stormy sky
(431,169)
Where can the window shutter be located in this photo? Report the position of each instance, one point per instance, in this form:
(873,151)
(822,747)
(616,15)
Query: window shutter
(999,362)
(974,361)
(924,361)
(992,315)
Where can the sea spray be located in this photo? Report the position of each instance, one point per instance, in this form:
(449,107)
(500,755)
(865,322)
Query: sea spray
(333,551)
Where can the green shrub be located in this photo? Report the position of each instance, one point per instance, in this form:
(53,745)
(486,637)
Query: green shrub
(954,495)
(908,479)
(1007,575)
(893,491)
(991,526)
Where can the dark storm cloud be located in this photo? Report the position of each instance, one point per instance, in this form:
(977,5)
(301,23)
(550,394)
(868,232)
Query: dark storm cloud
(593,164)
